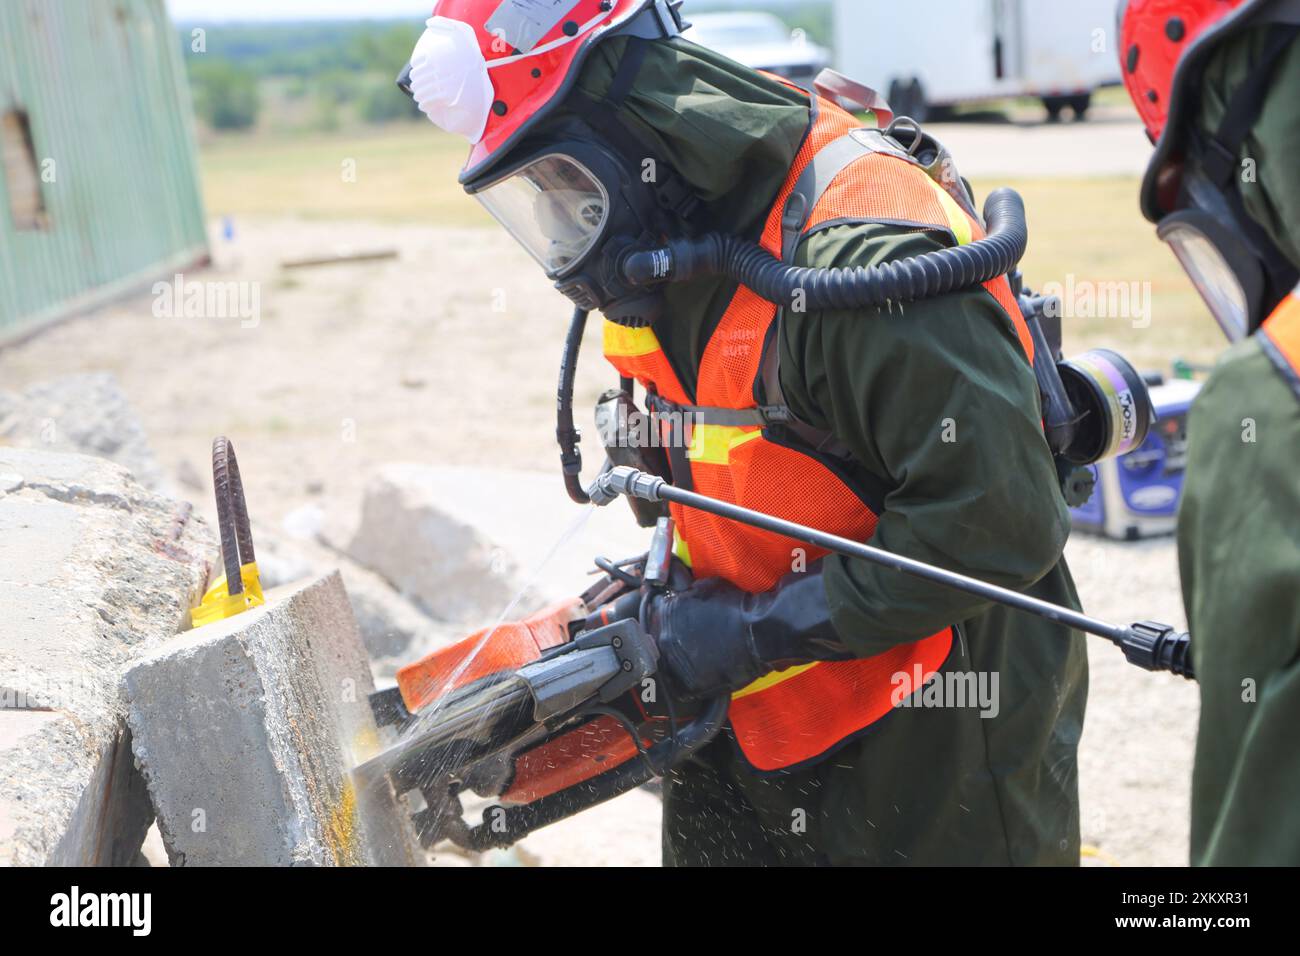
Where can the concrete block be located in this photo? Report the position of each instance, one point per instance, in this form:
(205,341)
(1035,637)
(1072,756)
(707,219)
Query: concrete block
(432,546)
(94,570)
(246,731)
(463,543)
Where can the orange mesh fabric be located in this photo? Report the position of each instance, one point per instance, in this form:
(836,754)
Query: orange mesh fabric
(636,353)
(730,363)
(881,188)
(801,718)
(778,481)
(884,188)
(1283,330)
(1000,289)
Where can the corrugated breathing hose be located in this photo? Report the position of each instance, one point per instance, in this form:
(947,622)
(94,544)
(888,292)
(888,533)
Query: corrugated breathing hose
(920,277)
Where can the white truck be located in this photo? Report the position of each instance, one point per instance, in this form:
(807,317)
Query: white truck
(928,56)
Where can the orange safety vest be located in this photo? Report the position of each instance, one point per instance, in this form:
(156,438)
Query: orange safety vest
(736,452)
(1279,337)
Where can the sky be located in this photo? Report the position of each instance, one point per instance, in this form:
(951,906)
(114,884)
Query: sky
(212,11)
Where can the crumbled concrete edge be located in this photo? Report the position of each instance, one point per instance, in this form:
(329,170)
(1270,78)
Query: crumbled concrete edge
(112,576)
(271,712)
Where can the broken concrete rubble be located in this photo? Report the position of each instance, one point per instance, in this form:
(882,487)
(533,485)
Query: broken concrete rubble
(430,546)
(463,543)
(96,578)
(85,413)
(394,630)
(94,570)
(246,730)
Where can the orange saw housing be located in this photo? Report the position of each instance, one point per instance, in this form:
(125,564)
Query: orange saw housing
(561,761)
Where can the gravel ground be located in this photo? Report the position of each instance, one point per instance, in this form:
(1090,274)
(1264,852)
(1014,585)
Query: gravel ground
(1136,756)
(448,355)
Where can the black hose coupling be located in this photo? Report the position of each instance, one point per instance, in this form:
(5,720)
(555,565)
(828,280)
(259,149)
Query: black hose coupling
(679,261)
(624,480)
(1158,647)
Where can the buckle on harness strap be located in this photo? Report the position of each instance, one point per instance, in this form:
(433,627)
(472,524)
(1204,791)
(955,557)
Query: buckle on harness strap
(796,213)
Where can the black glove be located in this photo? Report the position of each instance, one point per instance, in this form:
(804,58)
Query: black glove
(715,638)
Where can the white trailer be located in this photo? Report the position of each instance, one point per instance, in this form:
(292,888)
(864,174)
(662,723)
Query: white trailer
(927,55)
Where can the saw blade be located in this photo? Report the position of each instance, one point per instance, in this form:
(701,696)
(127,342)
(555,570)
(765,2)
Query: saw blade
(453,732)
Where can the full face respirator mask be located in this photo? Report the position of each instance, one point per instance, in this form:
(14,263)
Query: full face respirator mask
(581,210)
(1194,187)
(1237,270)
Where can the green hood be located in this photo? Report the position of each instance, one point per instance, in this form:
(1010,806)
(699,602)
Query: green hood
(1273,198)
(729,131)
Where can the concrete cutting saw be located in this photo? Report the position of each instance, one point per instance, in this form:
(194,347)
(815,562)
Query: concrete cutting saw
(556,713)
(548,716)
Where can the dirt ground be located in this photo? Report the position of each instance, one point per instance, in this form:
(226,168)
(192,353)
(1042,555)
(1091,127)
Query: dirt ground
(447,354)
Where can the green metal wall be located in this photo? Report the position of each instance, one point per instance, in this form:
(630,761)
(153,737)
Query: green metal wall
(103,86)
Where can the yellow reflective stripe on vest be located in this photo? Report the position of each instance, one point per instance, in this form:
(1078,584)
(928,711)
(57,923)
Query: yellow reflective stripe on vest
(622,342)
(958,221)
(772,679)
(712,444)
(681,548)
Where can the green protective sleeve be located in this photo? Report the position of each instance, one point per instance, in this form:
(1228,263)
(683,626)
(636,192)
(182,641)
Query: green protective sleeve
(938,401)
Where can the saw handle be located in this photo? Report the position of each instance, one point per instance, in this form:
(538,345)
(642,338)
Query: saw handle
(625,608)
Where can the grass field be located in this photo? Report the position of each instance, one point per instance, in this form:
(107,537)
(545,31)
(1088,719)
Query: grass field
(395,173)
(1087,231)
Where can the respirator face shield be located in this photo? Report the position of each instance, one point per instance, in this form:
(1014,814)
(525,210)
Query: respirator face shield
(554,206)
(578,211)
(1227,277)
(1212,250)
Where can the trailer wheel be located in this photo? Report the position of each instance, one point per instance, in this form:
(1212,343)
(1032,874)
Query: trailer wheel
(1079,105)
(907,98)
(1054,106)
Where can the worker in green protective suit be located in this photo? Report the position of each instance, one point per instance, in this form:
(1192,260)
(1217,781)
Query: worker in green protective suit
(930,444)
(1217,91)
(927,785)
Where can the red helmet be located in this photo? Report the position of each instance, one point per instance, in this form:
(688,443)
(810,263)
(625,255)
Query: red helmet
(1164,45)
(534,52)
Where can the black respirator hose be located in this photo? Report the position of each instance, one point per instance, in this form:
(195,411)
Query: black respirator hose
(921,277)
(565,433)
